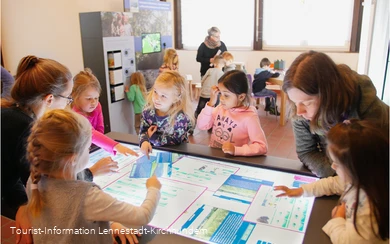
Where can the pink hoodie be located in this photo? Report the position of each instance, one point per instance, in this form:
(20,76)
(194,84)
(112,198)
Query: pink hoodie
(239,126)
(98,138)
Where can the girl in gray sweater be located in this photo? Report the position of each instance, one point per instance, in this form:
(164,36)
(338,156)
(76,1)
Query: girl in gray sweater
(67,210)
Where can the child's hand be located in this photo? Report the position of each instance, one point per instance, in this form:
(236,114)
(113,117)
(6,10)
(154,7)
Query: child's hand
(126,88)
(151,130)
(153,182)
(104,166)
(228,147)
(294,192)
(268,83)
(339,211)
(213,95)
(124,150)
(146,148)
(123,233)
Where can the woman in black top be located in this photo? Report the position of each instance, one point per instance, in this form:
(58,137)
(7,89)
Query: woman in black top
(209,48)
(41,84)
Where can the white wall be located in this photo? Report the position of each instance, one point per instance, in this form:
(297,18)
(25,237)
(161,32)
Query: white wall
(50,28)
(47,28)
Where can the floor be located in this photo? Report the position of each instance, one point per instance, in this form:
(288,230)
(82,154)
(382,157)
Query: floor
(280,139)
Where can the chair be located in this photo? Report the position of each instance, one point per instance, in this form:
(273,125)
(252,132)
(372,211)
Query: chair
(256,97)
(193,88)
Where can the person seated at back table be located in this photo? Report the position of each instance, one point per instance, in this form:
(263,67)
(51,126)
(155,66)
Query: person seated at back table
(261,77)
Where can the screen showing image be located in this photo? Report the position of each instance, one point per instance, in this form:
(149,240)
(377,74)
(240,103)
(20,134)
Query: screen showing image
(210,200)
(151,43)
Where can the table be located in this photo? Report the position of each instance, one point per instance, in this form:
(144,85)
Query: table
(321,209)
(283,99)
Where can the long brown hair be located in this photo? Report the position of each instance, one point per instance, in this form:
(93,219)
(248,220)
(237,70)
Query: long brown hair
(36,78)
(363,149)
(316,74)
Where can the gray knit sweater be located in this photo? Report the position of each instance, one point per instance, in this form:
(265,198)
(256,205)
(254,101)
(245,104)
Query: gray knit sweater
(311,148)
(63,213)
(79,212)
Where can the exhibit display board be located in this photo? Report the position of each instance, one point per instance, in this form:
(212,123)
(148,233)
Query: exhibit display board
(210,200)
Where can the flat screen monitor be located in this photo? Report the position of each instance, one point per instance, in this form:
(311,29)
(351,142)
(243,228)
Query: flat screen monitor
(209,200)
(151,43)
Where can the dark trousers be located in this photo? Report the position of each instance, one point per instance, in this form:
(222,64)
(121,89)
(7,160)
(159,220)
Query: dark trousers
(201,104)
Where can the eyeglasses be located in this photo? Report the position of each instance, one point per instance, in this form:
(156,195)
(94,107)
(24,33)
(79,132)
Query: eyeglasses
(70,99)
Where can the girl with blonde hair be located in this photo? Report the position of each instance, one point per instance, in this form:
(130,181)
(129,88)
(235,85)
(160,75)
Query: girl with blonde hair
(171,61)
(86,93)
(168,115)
(58,148)
(137,94)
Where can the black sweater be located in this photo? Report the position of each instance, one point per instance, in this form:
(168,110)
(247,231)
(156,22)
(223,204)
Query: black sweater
(15,169)
(204,54)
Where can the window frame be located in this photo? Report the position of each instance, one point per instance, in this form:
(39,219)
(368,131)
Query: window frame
(258,27)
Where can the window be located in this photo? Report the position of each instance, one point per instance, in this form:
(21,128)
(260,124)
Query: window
(307,24)
(330,25)
(235,19)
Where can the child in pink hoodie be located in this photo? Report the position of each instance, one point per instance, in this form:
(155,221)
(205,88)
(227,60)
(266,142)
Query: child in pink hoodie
(85,96)
(236,125)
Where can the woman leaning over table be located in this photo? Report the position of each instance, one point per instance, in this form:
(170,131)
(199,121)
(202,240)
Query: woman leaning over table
(323,94)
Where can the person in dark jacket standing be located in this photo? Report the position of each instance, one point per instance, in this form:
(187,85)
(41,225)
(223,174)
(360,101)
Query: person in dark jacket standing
(261,77)
(211,46)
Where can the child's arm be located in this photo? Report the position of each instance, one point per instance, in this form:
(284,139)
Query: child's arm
(146,128)
(205,119)
(145,125)
(342,230)
(258,142)
(100,206)
(110,145)
(327,186)
(99,120)
(131,93)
